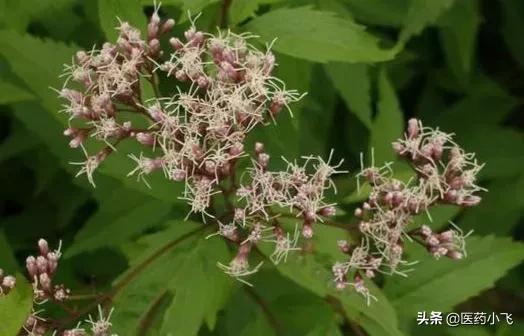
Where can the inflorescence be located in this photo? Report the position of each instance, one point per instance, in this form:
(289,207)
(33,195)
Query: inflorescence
(444,174)
(225,88)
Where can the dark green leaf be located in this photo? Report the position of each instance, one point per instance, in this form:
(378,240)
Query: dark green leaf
(15,307)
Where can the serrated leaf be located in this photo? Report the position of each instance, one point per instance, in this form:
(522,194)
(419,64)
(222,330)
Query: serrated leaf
(388,125)
(422,13)
(39,74)
(439,285)
(153,262)
(200,289)
(125,10)
(15,307)
(318,36)
(353,83)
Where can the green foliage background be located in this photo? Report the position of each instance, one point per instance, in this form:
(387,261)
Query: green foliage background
(368,66)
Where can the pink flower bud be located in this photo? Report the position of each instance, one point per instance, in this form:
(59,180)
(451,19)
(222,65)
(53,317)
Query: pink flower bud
(32,269)
(469,201)
(455,255)
(307,230)
(41,264)
(145,138)
(344,246)
(176,43)
(328,211)
(358,212)
(259,147)
(43,246)
(413,128)
(9,282)
(167,26)
(45,281)
(263,159)
(236,149)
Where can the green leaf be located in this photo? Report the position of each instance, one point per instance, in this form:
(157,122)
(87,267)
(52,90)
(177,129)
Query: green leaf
(502,205)
(10,93)
(311,274)
(241,10)
(318,36)
(353,82)
(380,12)
(110,228)
(440,285)
(19,140)
(458,33)
(125,10)
(422,13)
(187,269)
(15,307)
(389,122)
(200,288)
(154,262)
(39,74)
(513,28)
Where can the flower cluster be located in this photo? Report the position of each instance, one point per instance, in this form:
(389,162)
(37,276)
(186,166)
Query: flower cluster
(445,174)
(41,270)
(98,327)
(299,190)
(195,135)
(7,283)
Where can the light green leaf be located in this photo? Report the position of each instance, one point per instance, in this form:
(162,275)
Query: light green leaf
(154,262)
(458,33)
(15,307)
(200,288)
(389,122)
(241,10)
(125,10)
(422,13)
(353,83)
(318,36)
(440,285)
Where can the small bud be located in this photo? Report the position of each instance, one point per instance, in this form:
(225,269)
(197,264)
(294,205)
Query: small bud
(43,246)
(307,231)
(41,264)
(263,159)
(358,212)
(469,201)
(176,43)
(145,138)
(455,255)
(167,26)
(413,128)
(259,147)
(236,149)
(45,281)
(344,246)
(328,211)
(9,282)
